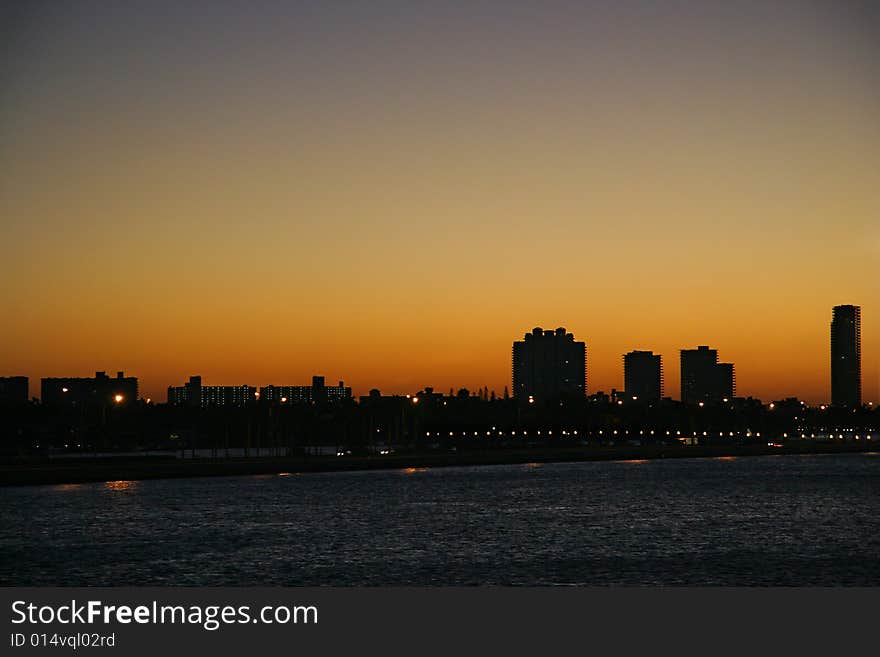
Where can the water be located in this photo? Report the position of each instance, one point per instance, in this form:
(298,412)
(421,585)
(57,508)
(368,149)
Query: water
(777,520)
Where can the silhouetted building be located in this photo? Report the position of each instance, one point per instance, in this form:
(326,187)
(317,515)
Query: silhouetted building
(703,378)
(13,390)
(189,394)
(643,375)
(286,394)
(726,381)
(317,393)
(194,393)
(101,389)
(549,364)
(846,356)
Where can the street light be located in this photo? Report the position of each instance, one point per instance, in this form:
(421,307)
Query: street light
(118,399)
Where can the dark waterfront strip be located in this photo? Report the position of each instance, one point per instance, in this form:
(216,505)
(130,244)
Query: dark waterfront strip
(68,471)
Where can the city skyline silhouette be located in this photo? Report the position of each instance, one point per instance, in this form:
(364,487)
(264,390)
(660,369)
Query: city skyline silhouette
(410,294)
(388,193)
(571,380)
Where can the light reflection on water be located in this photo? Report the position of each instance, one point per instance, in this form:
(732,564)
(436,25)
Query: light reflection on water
(749,521)
(67,487)
(120,485)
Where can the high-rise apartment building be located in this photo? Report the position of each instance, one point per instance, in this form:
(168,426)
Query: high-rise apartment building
(549,365)
(643,375)
(703,378)
(846,356)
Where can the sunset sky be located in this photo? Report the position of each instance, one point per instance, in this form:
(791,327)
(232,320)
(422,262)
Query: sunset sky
(391,192)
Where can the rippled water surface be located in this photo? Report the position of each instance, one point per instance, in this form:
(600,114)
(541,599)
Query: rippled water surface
(784,520)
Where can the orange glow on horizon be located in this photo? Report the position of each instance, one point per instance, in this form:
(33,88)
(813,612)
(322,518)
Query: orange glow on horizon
(392,207)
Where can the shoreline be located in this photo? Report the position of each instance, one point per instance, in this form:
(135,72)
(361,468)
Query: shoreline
(96,470)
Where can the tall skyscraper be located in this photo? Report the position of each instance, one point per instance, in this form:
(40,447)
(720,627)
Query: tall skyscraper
(643,375)
(548,365)
(703,378)
(846,356)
